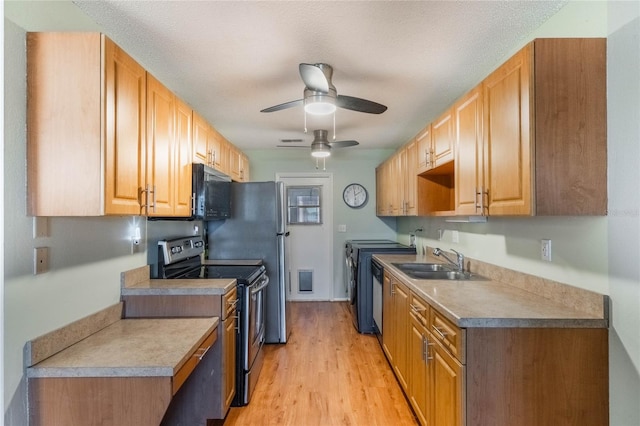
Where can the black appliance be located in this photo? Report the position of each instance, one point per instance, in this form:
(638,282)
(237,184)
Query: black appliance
(181,258)
(360,280)
(210,196)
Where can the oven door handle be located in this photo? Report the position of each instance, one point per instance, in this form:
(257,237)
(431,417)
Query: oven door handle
(265,282)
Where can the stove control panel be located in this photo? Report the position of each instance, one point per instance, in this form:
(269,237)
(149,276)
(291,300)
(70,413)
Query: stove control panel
(178,249)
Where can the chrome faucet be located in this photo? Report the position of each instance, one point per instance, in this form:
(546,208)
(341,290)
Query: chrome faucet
(459,263)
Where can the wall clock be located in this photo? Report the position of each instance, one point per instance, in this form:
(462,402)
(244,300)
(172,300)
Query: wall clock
(355,195)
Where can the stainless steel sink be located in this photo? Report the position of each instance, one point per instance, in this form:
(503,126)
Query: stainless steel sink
(422,267)
(436,271)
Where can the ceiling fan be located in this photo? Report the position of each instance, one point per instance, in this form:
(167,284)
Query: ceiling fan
(320,95)
(320,146)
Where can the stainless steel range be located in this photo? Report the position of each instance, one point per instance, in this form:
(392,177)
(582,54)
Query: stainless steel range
(182,258)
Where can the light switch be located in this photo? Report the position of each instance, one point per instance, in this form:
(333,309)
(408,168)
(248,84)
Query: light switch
(342,228)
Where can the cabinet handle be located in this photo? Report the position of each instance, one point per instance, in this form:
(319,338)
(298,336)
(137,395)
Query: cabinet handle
(233,303)
(433,158)
(425,349)
(439,332)
(482,193)
(392,289)
(416,309)
(154,199)
(146,204)
(426,157)
(202,353)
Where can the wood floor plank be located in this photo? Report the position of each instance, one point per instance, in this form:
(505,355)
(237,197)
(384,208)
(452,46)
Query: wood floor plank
(326,374)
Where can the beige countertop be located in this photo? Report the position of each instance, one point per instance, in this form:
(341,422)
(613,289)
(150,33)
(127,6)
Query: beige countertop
(180,287)
(516,300)
(136,282)
(130,348)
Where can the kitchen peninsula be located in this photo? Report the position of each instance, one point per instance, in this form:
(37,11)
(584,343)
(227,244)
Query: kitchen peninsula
(127,372)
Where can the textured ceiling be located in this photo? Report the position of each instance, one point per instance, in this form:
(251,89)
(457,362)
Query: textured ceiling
(229,60)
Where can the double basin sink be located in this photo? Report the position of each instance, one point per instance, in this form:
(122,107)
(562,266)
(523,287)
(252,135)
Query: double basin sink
(436,271)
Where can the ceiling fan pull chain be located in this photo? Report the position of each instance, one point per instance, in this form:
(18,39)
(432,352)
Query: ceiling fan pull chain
(305,121)
(324,164)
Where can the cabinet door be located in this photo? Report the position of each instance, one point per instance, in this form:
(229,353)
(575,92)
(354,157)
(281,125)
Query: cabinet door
(388,318)
(160,147)
(423,141)
(507,139)
(401,308)
(234,163)
(229,359)
(468,165)
(418,377)
(410,173)
(183,160)
(200,132)
(125,94)
(218,150)
(446,397)
(442,143)
(245,174)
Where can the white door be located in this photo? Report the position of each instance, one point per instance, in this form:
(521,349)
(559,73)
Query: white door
(309,200)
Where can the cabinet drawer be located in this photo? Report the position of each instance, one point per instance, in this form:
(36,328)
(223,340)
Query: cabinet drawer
(419,309)
(447,333)
(229,302)
(183,373)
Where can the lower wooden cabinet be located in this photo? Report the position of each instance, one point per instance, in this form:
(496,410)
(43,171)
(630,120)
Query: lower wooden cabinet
(395,300)
(503,376)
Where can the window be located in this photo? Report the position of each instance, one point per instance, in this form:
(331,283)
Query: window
(304,205)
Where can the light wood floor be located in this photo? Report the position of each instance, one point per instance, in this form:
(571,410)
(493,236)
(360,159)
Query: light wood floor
(326,374)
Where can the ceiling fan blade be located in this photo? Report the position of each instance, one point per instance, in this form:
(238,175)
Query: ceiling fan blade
(283,106)
(343,144)
(361,105)
(314,78)
(292,146)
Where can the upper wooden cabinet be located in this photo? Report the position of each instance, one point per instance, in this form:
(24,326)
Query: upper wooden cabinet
(468,153)
(104,137)
(545,145)
(85,126)
(529,140)
(442,141)
(238,165)
(423,141)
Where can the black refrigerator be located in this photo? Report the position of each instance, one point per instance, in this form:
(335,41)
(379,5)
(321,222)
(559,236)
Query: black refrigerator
(257,229)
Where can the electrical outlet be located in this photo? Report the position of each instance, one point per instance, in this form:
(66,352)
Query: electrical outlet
(40,260)
(455,237)
(545,250)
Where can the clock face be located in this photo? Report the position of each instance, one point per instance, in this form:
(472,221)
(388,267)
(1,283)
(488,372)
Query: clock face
(355,195)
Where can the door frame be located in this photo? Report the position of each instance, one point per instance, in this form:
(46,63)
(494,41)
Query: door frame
(327,216)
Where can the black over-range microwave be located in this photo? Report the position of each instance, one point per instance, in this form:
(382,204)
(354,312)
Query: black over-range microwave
(210,197)
(211,193)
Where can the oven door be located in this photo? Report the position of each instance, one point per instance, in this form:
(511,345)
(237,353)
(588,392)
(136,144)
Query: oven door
(256,312)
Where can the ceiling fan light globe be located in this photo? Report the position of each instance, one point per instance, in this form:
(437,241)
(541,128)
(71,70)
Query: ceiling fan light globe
(319,105)
(320,154)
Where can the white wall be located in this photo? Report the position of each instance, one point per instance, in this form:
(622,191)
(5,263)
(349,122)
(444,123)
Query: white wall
(347,165)
(597,253)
